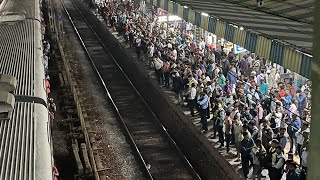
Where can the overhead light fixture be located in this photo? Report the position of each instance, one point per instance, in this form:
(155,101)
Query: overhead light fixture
(185,7)
(241,28)
(204,14)
(218,19)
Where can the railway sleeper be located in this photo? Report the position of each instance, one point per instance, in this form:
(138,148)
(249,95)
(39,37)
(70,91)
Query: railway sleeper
(75,135)
(86,161)
(75,150)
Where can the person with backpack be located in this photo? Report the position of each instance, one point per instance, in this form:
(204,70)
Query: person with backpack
(259,154)
(275,120)
(278,162)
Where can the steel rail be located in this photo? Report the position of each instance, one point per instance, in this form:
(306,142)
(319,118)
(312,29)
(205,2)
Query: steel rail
(190,167)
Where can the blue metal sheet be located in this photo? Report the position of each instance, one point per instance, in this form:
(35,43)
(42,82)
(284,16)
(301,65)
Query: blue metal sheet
(166,5)
(305,69)
(158,3)
(175,8)
(212,25)
(198,19)
(277,53)
(229,33)
(186,14)
(251,41)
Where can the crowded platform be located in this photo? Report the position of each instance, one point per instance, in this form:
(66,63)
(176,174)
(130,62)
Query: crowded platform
(250,103)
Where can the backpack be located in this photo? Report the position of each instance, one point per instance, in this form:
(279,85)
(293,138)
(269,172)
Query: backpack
(272,123)
(263,159)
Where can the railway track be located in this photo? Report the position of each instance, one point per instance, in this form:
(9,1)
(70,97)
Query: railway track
(159,154)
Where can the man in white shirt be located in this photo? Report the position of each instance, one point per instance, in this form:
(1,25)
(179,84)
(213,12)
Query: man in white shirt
(292,109)
(158,63)
(300,137)
(275,120)
(150,54)
(192,98)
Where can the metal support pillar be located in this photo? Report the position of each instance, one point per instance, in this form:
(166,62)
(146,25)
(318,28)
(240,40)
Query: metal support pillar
(314,150)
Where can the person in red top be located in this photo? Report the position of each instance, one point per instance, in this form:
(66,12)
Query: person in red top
(56,173)
(282,92)
(48,84)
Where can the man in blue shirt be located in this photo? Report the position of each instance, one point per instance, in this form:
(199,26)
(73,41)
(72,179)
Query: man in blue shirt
(203,103)
(294,126)
(263,87)
(302,102)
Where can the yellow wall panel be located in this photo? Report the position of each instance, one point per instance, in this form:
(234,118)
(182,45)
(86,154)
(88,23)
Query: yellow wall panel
(221,29)
(239,37)
(192,16)
(170,7)
(180,11)
(204,22)
(263,47)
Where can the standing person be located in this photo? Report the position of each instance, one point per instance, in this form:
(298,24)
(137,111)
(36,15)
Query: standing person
(254,130)
(282,138)
(166,73)
(258,154)
(246,156)
(300,137)
(204,103)
(177,86)
(131,38)
(302,102)
(237,130)
(267,134)
(138,46)
(150,54)
(304,161)
(294,126)
(56,173)
(292,173)
(221,115)
(263,87)
(158,64)
(228,129)
(192,99)
(278,162)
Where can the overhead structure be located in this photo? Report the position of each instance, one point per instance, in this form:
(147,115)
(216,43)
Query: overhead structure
(283,41)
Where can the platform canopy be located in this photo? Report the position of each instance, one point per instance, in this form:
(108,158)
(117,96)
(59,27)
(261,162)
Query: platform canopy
(285,41)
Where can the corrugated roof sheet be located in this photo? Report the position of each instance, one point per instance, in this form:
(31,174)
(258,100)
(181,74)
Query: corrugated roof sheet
(17,144)
(299,10)
(290,32)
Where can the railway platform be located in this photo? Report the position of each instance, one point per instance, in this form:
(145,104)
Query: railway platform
(231,156)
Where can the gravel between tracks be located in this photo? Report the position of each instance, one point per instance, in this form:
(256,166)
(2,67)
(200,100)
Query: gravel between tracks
(117,152)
